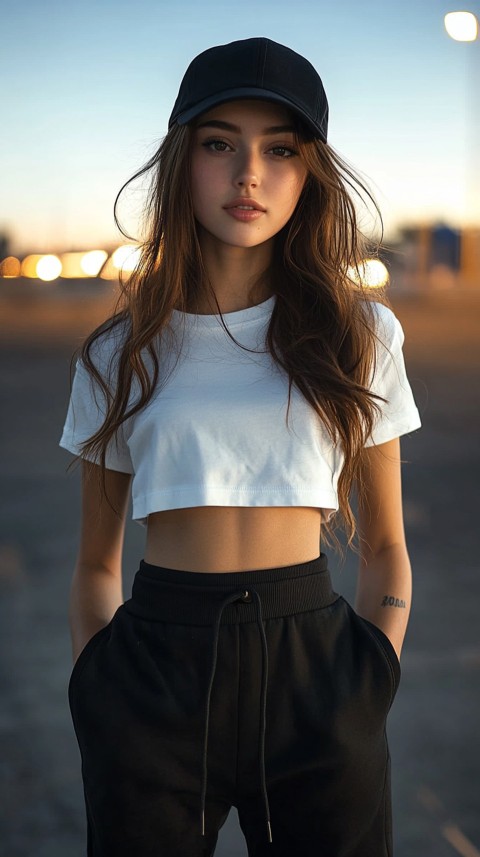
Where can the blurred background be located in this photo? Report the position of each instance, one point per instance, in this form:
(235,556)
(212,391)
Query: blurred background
(87,89)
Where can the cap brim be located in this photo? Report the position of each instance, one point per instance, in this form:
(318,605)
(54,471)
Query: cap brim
(253,92)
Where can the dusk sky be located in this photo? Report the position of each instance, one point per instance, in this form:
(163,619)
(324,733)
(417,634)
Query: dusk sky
(87,88)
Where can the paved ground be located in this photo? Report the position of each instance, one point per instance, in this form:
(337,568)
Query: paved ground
(433,725)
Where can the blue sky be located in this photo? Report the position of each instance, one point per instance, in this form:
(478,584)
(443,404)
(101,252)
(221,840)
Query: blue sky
(87,88)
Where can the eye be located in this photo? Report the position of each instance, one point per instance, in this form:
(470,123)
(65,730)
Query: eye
(283,151)
(216,145)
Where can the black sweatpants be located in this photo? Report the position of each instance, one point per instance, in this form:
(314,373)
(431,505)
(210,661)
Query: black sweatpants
(258,689)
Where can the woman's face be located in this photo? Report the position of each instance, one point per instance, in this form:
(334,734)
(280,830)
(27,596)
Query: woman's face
(246,176)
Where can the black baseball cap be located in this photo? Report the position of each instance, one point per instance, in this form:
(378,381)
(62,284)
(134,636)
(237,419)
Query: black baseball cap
(253,68)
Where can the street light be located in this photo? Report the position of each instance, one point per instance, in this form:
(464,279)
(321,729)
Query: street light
(461,26)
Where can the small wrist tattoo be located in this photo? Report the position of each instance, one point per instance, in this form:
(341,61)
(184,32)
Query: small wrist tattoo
(390,601)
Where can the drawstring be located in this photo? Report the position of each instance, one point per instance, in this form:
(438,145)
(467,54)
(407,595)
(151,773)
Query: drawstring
(230,599)
(263,715)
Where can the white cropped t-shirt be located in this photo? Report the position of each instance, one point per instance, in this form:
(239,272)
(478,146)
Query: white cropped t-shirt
(215,431)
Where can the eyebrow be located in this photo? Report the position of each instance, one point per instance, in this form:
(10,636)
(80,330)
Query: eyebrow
(227,126)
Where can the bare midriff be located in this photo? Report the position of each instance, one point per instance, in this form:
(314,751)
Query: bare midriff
(232,538)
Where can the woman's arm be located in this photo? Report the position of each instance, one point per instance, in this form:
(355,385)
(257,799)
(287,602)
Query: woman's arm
(384,588)
(96,590)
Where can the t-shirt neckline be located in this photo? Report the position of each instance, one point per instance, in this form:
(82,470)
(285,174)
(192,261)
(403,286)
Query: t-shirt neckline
(241,316)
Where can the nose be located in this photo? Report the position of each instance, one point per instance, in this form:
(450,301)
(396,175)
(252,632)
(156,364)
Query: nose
(248,172)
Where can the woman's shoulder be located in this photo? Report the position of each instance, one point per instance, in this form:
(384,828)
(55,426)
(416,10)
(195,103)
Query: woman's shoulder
(386,326)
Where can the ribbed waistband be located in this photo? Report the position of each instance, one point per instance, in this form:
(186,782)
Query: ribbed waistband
(194,598)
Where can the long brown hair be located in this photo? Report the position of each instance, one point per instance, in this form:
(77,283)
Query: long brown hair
(322,330)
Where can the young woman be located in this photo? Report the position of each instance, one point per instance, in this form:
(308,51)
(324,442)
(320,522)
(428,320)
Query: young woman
(246,385)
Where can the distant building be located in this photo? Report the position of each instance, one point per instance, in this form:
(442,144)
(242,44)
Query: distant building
(436,256)
(5,243)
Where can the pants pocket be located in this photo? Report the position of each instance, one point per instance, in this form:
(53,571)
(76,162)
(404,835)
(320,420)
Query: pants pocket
(85,654)
(380,646)
(386,648)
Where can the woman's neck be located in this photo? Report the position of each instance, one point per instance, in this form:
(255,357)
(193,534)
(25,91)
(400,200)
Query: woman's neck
(236,274)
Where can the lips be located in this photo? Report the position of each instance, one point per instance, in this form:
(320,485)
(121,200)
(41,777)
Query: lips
(244,204)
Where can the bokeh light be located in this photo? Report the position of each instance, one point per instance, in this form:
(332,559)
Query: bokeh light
(10,267)
(126,257)
(29,265)
(373,274)
(49,267)
(72,265)
(82,264)
(93,261)
(461,26)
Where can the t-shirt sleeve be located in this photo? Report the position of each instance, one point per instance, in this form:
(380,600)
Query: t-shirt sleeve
(86,413)
(399,414)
